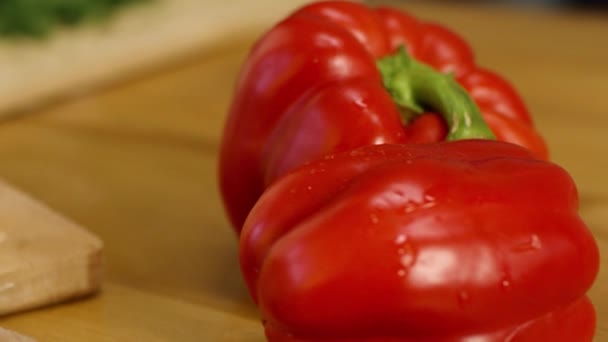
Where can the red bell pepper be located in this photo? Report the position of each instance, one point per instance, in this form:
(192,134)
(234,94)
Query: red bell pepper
(330,77)
(466,240)
(471,240)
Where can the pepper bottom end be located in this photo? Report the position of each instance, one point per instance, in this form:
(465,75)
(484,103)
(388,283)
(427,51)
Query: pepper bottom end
(574,323)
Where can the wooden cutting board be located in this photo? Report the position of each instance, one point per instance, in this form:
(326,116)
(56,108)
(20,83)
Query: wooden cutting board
(11,336)
(44,257)
(136,41)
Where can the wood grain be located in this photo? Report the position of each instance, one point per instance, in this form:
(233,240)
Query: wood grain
(121,313)
(45,258)
(11,336)
(136,163)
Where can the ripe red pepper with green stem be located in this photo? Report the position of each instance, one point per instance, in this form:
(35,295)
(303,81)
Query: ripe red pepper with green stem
(331,77)
(467,240)
(362,235)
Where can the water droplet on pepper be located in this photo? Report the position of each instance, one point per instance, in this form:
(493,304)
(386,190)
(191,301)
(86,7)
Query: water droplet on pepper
(463,299)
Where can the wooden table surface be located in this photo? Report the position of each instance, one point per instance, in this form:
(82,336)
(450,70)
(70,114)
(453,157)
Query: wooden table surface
(136,164)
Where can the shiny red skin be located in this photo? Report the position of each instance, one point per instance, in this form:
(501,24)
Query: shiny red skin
(574,323)
(310,86)
(422,242)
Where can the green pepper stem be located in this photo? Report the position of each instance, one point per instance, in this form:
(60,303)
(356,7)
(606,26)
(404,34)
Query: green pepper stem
(415,86)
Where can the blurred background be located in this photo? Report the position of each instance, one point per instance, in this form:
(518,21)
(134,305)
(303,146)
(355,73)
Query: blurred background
(106,41)
(542,4)
(553,3)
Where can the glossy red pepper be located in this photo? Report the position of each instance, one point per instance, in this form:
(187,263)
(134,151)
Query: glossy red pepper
(472,240)
(313,85)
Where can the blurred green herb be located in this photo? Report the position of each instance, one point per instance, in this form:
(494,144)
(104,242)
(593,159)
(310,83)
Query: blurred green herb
(37,18)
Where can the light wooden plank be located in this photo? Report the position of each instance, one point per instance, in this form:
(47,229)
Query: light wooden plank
(11,336)
(44,258)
